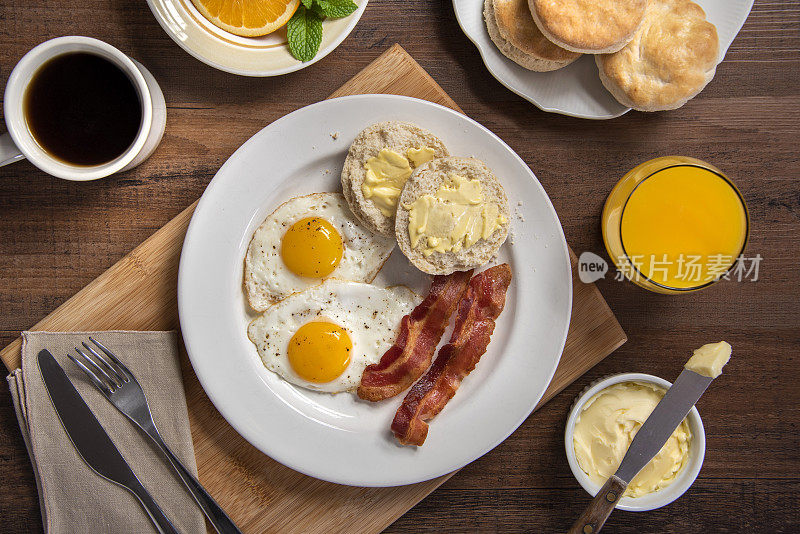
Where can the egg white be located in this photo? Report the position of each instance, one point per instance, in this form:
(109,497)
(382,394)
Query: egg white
(371,316)
(268,280)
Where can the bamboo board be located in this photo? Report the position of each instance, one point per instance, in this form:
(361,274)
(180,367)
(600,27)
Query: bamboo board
(140,293)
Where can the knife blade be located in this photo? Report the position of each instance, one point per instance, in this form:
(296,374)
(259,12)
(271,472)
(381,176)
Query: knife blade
(91,441)
(659,426)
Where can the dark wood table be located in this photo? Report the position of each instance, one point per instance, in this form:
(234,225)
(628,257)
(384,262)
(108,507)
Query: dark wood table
(56,236)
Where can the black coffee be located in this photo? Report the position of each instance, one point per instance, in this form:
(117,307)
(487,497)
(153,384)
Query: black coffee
(82,109)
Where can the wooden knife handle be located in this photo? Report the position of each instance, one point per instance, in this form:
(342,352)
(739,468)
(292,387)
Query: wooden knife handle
(594,517)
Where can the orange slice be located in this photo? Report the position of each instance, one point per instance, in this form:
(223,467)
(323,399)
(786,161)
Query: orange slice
(248,18)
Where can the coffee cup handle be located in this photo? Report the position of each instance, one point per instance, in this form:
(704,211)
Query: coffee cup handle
(9,153)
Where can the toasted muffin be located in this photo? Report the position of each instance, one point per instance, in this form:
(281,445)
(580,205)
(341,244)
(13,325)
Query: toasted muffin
(427,180)
(670,60)
(513,31)
(588,26)
(396,136)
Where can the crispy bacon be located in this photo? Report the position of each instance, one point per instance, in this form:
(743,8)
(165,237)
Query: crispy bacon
(420,332)
(477,312)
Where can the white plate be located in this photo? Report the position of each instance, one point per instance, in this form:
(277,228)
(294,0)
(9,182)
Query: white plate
(576,89)
(248,56)
(337,437)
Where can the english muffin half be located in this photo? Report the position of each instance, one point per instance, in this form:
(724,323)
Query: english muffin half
(588,26)
(670,60)
(513,31)
(453,215)
(379,162)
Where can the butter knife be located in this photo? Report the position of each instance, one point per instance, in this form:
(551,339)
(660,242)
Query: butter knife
(704,366)
(91,440)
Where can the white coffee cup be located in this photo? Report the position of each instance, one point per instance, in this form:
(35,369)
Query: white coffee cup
(19,143)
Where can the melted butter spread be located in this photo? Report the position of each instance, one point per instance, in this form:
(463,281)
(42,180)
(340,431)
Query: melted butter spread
(455,217)
(420,155)
(606,427)
(709,359)
(387,174)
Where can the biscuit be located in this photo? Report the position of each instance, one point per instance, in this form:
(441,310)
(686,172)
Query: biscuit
(513,31)
(588,26)
(394,135)
(427,180)
(670,60)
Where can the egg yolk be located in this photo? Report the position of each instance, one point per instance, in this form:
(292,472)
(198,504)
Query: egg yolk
(312,247)
(320,351)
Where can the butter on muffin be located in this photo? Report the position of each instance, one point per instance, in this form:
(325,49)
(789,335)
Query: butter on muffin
(453,215)
(380,160)
(588,26)
(513,31)
(670,60)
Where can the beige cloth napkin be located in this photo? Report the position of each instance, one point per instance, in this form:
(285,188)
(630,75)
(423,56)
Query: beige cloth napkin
(74,498)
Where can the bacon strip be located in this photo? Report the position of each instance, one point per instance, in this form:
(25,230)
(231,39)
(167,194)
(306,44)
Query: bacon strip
(477,312)
(420,332)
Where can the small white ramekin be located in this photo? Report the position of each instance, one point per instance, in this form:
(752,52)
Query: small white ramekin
(662,497)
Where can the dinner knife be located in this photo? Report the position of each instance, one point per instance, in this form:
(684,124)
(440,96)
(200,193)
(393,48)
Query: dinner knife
(91,440)
(654,433)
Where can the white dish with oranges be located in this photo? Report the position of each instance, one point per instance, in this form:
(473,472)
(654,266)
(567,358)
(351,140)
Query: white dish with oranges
(266,55)
(268,397)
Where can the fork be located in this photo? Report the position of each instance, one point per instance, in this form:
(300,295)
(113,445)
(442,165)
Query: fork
(116,382)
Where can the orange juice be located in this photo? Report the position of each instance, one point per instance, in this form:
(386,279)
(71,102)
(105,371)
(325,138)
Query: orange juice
(675,224)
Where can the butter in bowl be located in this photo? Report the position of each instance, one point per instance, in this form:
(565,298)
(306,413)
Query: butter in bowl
(601,426)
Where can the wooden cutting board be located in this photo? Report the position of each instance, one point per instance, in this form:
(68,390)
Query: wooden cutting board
(140,293)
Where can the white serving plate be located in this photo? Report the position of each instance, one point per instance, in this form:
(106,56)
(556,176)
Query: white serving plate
(576,89)
(247,56)
(339,438)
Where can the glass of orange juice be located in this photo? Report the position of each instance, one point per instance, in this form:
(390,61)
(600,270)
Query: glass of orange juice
(675,224)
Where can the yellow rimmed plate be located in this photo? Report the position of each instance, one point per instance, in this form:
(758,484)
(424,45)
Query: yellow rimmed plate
(247,56)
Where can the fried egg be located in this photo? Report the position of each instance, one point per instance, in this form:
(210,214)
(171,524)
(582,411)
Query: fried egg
(322,338)
(306,240)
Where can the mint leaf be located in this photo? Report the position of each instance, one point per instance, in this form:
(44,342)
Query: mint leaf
(315,7)
(304,32)
(307,3)
(336,9)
